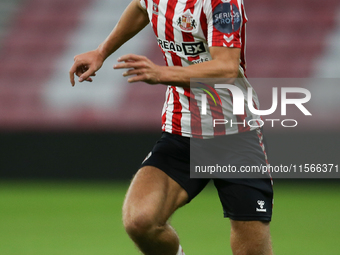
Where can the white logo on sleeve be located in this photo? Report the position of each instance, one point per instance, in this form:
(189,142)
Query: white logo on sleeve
(261,204)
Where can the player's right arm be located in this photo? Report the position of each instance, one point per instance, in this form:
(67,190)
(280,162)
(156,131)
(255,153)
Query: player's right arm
(133,20)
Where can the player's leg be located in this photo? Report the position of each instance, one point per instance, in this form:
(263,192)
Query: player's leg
(250,238)
(151,199)
(161,186)
(248,204)
(246,201)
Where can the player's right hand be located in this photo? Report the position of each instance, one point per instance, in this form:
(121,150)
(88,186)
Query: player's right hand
(86,65)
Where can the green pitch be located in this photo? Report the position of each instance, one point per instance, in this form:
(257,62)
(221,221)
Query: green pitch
(80,218)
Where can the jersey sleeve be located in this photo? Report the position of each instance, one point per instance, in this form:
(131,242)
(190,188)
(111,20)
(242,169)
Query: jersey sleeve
(224,20)
(144,3)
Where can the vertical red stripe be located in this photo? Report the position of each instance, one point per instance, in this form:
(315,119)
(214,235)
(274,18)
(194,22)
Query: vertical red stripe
(204,25)
(164,114)
(195,120)
(169,29)
(170,11)
(241,127)
(216,113)
(155,17)
(177,113)
(176,60)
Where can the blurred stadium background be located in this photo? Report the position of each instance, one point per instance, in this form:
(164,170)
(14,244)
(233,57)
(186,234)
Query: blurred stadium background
(66,154)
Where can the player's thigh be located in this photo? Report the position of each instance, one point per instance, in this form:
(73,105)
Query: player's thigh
(250,229)
(152,196)
(250,236)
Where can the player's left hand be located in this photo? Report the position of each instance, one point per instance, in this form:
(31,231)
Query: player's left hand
(141,67)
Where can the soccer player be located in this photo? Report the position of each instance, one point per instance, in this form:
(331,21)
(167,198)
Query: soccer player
(199,39)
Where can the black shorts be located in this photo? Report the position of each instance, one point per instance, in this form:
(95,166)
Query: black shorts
(242,199)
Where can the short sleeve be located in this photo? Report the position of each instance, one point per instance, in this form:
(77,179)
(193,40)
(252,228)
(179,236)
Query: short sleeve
(143,3)
(224,22)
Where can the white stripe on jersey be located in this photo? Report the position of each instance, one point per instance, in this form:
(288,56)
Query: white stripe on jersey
(167,125)
(186,116)
(208,12)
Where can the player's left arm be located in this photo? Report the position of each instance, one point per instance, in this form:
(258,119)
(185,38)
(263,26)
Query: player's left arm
(224,64)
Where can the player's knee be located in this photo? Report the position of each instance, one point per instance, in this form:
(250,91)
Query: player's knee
(141,226)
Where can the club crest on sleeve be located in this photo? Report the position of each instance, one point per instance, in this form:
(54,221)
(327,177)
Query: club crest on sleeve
(186,21)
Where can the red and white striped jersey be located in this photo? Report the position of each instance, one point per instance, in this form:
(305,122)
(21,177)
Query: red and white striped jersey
(185,29)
